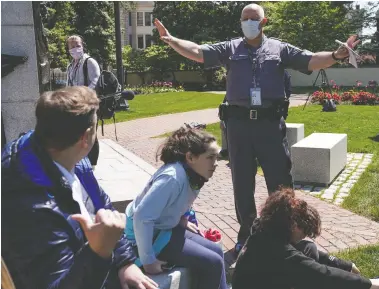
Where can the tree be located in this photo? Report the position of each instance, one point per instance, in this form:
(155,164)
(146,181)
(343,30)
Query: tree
(94,21)
(57,20)
(200,21)
(161,60)
(313,25)
(137,63)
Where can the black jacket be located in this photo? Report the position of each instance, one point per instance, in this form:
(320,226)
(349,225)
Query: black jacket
(265,263)
(42,246)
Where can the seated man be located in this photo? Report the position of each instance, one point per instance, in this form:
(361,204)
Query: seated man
(59,229)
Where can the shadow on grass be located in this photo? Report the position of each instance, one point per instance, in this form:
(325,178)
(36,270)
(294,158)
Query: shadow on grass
(374,138)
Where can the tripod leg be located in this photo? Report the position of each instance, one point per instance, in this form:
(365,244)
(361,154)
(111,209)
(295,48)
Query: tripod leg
(313,85)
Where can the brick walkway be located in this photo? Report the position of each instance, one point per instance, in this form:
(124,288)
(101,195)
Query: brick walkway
(215,205)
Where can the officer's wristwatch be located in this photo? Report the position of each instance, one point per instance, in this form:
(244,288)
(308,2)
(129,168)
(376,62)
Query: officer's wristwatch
(338,59)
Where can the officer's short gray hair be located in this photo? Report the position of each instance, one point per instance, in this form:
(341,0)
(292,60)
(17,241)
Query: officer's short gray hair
(260,10)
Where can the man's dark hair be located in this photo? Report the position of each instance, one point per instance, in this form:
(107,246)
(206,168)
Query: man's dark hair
(64,115)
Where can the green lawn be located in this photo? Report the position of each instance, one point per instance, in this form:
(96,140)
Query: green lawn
(165,103)
(361,123)
(366,258)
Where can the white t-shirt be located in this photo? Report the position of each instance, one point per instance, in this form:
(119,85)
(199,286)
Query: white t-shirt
(79,194)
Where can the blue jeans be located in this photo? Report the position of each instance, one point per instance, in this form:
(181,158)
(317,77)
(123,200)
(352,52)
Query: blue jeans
(202,256)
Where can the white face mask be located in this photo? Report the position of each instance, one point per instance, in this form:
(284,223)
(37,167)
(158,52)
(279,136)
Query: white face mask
(76,52)
(250,28)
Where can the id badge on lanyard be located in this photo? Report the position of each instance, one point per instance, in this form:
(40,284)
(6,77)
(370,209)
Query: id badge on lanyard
(255,96)
(255,91)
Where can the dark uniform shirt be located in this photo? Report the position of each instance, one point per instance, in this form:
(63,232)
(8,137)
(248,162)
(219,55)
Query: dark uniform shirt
(272,57)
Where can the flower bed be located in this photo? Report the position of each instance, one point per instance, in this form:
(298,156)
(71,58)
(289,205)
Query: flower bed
(156,87)
(358,95)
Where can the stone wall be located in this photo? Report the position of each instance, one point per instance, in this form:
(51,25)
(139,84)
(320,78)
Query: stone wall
(342,76)
(20,88)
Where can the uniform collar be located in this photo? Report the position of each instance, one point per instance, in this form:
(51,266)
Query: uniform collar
(264,38)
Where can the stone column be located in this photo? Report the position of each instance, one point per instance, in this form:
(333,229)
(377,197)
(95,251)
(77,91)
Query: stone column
(21,88)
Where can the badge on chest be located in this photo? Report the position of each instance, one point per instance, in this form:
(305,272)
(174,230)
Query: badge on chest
(255,96)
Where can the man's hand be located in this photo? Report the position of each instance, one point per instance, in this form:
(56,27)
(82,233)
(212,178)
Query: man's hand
(103,235)
(355,270)
(342,52)
(154,268)
(163,32)
(131,275)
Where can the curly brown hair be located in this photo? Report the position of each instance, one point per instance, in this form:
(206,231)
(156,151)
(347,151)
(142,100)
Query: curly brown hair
(182,141)
(282,211)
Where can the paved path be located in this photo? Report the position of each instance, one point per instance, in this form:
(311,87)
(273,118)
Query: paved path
(215,206)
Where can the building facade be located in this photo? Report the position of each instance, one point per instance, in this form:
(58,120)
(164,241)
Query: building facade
(137,25)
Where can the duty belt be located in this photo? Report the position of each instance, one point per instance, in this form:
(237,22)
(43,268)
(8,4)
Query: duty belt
(241,112)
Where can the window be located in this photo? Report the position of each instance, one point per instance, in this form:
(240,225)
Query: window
(148,18)
(130,39)
(139,18)
(130,18)
(148,40)
(140,41)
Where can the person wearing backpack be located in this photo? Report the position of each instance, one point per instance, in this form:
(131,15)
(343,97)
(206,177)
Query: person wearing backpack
(83,71)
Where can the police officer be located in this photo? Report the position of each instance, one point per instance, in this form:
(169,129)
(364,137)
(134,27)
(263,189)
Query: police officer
(287,89)
(256,129)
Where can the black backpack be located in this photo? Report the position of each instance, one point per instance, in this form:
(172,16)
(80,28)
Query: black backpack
(329,105)
(106,89)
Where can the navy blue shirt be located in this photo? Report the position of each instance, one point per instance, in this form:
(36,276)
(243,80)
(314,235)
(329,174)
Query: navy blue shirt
(272,57)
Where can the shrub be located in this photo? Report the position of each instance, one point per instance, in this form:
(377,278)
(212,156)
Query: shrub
(156,87)
(359,95)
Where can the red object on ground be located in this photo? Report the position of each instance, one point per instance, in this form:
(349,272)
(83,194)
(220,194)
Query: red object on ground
(212,235)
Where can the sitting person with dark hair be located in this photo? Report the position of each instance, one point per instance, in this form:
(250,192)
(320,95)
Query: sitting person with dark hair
(59,228)
(275,256)
(156,221)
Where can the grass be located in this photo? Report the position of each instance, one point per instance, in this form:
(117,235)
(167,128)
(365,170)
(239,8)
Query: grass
(366,258)
(361,123)
(165,103)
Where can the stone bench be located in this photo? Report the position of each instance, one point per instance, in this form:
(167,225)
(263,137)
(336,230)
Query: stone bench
(295,133)
(319,158)
(178,278)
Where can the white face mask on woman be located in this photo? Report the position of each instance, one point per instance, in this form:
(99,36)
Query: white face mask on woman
(250,28)
(76,52)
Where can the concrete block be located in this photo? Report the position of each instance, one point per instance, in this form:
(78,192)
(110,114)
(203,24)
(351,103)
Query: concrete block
(295,133)
(178,278)
(319,158)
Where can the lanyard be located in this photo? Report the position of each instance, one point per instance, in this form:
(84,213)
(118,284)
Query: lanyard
(253,60)
(73,73)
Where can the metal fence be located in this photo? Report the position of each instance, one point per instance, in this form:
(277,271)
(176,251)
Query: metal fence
(58,78)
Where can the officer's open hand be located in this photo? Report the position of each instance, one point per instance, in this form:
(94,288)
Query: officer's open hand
(163,32)
(343,52)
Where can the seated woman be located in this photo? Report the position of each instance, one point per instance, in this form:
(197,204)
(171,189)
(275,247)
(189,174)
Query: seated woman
(275,256)
(155,218)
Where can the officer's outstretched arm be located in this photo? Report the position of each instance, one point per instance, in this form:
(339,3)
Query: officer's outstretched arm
(186,48)
(321,60)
